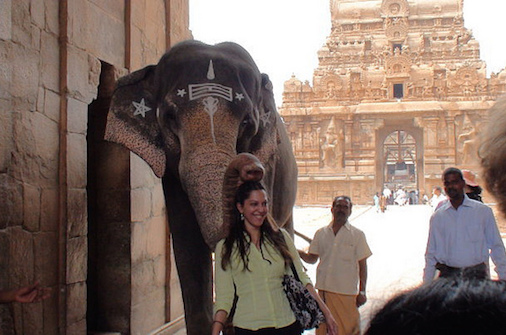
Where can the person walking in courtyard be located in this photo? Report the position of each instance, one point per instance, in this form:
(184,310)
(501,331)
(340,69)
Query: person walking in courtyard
(462,235)
(250,264)
(341,275)
(437,197)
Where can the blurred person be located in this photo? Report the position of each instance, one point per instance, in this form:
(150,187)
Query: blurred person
(493,153)
(453,306)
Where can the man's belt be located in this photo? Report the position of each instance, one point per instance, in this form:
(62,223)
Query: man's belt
(478,271)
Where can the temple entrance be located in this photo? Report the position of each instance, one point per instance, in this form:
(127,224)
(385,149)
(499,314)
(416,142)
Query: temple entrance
(400,168)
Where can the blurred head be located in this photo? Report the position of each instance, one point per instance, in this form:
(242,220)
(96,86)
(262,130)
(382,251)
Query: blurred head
(493,153)
(445,307)
(437,190)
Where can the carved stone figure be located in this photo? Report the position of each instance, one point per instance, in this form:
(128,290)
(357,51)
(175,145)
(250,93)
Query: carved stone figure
(188,117)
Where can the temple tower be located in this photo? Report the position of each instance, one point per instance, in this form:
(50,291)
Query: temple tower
(400,93)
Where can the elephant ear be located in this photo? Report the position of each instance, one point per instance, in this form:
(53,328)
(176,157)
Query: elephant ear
(132,120)
(265,142)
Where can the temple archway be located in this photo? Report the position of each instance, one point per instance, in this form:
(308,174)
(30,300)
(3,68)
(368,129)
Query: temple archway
(399,157)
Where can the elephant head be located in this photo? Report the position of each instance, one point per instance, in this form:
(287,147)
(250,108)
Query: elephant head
(190,114)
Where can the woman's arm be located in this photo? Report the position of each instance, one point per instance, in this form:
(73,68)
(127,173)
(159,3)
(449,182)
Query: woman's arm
(329,319)
(219,321)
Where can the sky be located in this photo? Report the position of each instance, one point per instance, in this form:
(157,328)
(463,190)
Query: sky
(284,36)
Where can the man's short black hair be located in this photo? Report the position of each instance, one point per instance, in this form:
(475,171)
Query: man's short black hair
(453,170)
(345,197)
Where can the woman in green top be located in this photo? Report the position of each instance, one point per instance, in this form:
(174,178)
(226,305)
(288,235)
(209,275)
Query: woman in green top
(251,262)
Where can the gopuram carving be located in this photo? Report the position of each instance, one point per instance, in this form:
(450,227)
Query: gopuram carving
(400,93)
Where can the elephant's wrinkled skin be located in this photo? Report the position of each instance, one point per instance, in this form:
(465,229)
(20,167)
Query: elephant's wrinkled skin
(188,117)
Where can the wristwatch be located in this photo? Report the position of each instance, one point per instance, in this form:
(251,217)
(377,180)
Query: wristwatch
(362,292)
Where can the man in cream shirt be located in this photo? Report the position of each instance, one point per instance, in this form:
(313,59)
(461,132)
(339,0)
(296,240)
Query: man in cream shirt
(341,275)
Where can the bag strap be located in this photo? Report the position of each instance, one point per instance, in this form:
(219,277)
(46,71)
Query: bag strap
(292,266)
(294,271)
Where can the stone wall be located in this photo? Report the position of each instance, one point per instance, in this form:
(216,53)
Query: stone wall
(52,54)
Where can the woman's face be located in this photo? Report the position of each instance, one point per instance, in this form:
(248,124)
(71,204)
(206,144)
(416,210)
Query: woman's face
(255,209)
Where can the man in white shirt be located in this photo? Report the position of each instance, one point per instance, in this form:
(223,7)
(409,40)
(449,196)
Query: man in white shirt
(341,275)
(462,235)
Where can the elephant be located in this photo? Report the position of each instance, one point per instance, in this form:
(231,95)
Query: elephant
(188,117)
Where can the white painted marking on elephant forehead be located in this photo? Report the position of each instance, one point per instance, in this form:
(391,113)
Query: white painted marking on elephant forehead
(210,71)
(239,96)
(181,92)
(204,90)
(140,108)
(265,118)
(211,106)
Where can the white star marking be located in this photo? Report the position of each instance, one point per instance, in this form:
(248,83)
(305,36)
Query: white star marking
(181,93)
(141,108)
(265,118)
(239,96)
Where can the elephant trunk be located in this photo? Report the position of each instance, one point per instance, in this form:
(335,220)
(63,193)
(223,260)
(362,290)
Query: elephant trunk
(202,174)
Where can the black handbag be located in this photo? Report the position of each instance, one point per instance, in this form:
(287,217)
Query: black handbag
(304,306)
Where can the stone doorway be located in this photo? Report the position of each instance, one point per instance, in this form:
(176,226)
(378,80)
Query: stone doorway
(400,154)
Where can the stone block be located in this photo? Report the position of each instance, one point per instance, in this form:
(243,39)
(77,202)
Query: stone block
(50,63)
(78,328)
(158,199)
(37,13)
(5,20)
(150,314)
(49,210)
(77,266)
(141,204)
(4,260)
(11,202)
(76,302)
(31,208)
(76,161)
(51,105)
(5,69)
(6,139)
(52,12)
(79,72)
(50,313)
(22,257)
(113,8)
(77,214)
(25,73)
(46,258)
(78,26)
(77,116)
(143,280)
(108,47)
(21,23)
(36,32)
(141,173)
(33,319)
(156,234)
(139,241)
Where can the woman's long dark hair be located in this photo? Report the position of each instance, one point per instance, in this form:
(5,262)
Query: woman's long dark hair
(236,237)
